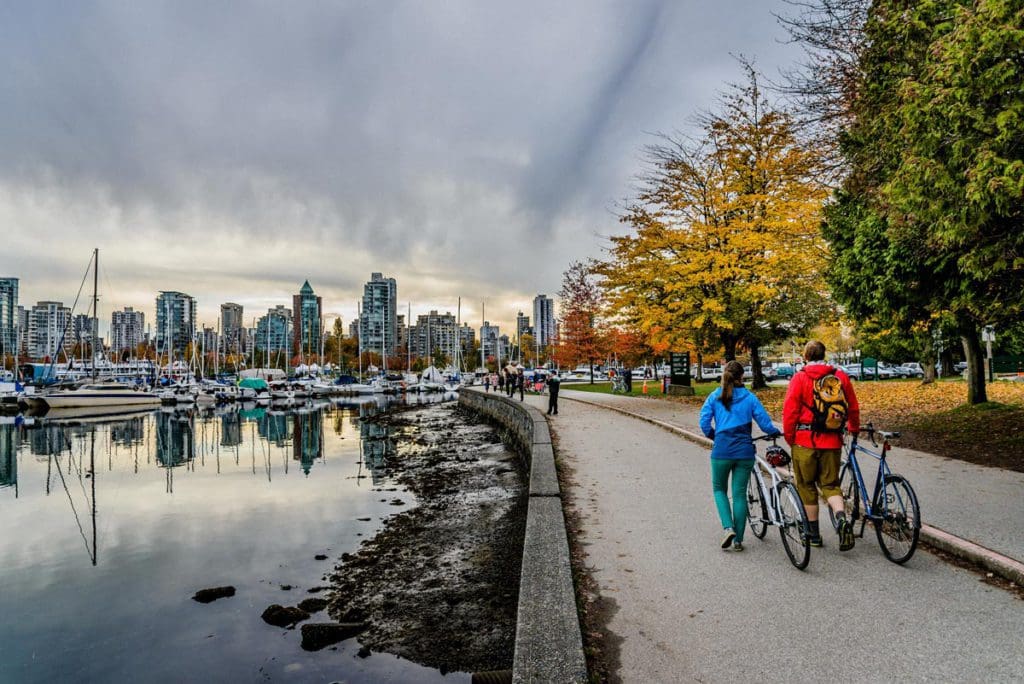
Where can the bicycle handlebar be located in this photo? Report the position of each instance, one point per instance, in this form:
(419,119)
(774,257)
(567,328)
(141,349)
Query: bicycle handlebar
(872,431)
(766,437)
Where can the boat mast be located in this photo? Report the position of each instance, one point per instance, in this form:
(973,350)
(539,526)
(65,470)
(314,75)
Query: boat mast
(359,339)
(483,315)
(95,307)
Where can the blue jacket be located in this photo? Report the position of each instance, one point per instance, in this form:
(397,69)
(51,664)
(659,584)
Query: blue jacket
(732,426)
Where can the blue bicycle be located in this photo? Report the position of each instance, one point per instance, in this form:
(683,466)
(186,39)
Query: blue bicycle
(892,507)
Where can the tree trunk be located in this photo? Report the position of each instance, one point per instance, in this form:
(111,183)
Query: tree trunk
(946,358)
(757,382)
(700,367)
(928,362)
(729,342)
(976,393)
(591,371)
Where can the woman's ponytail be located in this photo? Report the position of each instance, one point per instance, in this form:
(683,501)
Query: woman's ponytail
(732,376)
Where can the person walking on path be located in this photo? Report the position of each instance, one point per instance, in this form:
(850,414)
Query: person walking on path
(554,384)
(726,418)
(487,383)
(520,382)
(820,403)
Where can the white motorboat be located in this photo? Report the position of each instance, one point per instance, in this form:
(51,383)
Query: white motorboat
(97,394)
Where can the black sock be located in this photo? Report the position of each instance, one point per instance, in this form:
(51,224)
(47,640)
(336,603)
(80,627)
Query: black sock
(841,515)
(813,528)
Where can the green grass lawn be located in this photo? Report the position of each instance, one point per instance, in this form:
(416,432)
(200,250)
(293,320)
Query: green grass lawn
(653,388)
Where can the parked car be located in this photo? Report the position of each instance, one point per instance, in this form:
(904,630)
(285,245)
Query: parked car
(784,371)
(913,369)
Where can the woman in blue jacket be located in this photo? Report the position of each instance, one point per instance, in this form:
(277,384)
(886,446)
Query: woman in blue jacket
(726,418)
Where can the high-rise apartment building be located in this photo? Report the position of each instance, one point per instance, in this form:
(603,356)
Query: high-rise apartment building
(49,329)
(435,333)
(8,316)
(523,325)
(543,320)
(232,328)
(127,330)
(306,328)
(22,345)
(274,332)
(378,322)
(175,321)
(84,329)
(489,340)
(353,328)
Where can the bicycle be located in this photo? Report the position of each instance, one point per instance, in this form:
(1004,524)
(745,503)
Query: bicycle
(893,509)
(619,385)
(779,505)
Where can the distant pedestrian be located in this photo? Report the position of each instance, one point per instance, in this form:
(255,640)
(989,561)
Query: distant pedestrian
(520,382)
(820,403)
(727,417)
(501,381)
(487,383)
(554,383)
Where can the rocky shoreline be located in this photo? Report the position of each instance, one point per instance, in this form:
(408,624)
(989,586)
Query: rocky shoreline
(439,584)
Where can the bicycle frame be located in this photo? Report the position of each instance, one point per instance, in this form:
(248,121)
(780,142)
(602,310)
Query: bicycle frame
(884,471)
(768,494)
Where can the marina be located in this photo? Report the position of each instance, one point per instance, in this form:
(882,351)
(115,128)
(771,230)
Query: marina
(116,521)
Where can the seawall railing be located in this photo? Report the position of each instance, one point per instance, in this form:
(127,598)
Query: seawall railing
(549,644)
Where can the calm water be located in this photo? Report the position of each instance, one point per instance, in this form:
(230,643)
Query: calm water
(97,572)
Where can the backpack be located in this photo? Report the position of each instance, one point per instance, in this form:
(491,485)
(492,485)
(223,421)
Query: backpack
(829,407)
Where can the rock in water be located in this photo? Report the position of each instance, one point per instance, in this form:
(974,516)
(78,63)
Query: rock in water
(320,556)
(313,605)
(284,616)
(213,593)
(321,634)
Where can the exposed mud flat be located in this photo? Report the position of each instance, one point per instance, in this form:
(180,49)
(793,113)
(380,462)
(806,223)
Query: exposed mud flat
(439,584)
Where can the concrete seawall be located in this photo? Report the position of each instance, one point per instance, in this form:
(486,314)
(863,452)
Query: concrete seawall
(549,645)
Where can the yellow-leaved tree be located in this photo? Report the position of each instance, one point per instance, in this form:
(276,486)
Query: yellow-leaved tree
(724,251)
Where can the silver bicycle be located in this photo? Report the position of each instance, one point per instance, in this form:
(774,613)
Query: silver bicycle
(773,500)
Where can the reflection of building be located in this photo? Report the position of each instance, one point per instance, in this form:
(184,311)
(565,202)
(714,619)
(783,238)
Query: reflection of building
(8,456)
(276,428)
(308,438)
(376,447)
(230,429)
(47,440)
(128,432)
(175,444)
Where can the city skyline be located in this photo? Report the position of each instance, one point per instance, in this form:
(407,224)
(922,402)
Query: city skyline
(468,150)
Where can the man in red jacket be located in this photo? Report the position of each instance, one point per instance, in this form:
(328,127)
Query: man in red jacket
(816,448)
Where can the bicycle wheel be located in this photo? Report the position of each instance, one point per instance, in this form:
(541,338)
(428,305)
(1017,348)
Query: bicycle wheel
(793,528)
(898,525)
(758,511)
(851,496)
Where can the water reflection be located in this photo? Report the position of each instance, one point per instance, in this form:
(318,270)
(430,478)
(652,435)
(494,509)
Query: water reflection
(249,496)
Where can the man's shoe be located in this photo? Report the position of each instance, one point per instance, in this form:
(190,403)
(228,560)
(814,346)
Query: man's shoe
(815,542)
(737,546)
(727,539)
(845,530)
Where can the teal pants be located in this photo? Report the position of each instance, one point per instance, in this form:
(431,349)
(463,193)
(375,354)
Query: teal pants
(734,516)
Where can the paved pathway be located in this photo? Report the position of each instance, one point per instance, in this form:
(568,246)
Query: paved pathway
(688,611)
(979,503)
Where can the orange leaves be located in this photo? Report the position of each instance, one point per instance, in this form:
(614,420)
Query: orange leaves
(895,404)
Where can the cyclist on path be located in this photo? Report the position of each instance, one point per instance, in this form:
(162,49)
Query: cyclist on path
(727,417)
(816,448)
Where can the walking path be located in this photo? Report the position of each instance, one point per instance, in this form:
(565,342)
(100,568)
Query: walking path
(686,610)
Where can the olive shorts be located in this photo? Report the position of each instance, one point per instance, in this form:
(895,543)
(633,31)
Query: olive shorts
(816,466)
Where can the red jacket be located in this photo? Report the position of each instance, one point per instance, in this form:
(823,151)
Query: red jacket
(797,408)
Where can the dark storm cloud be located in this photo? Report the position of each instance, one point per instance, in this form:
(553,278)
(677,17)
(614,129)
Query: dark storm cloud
(462,147)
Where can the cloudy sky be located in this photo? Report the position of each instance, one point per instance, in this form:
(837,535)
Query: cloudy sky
(232,150)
